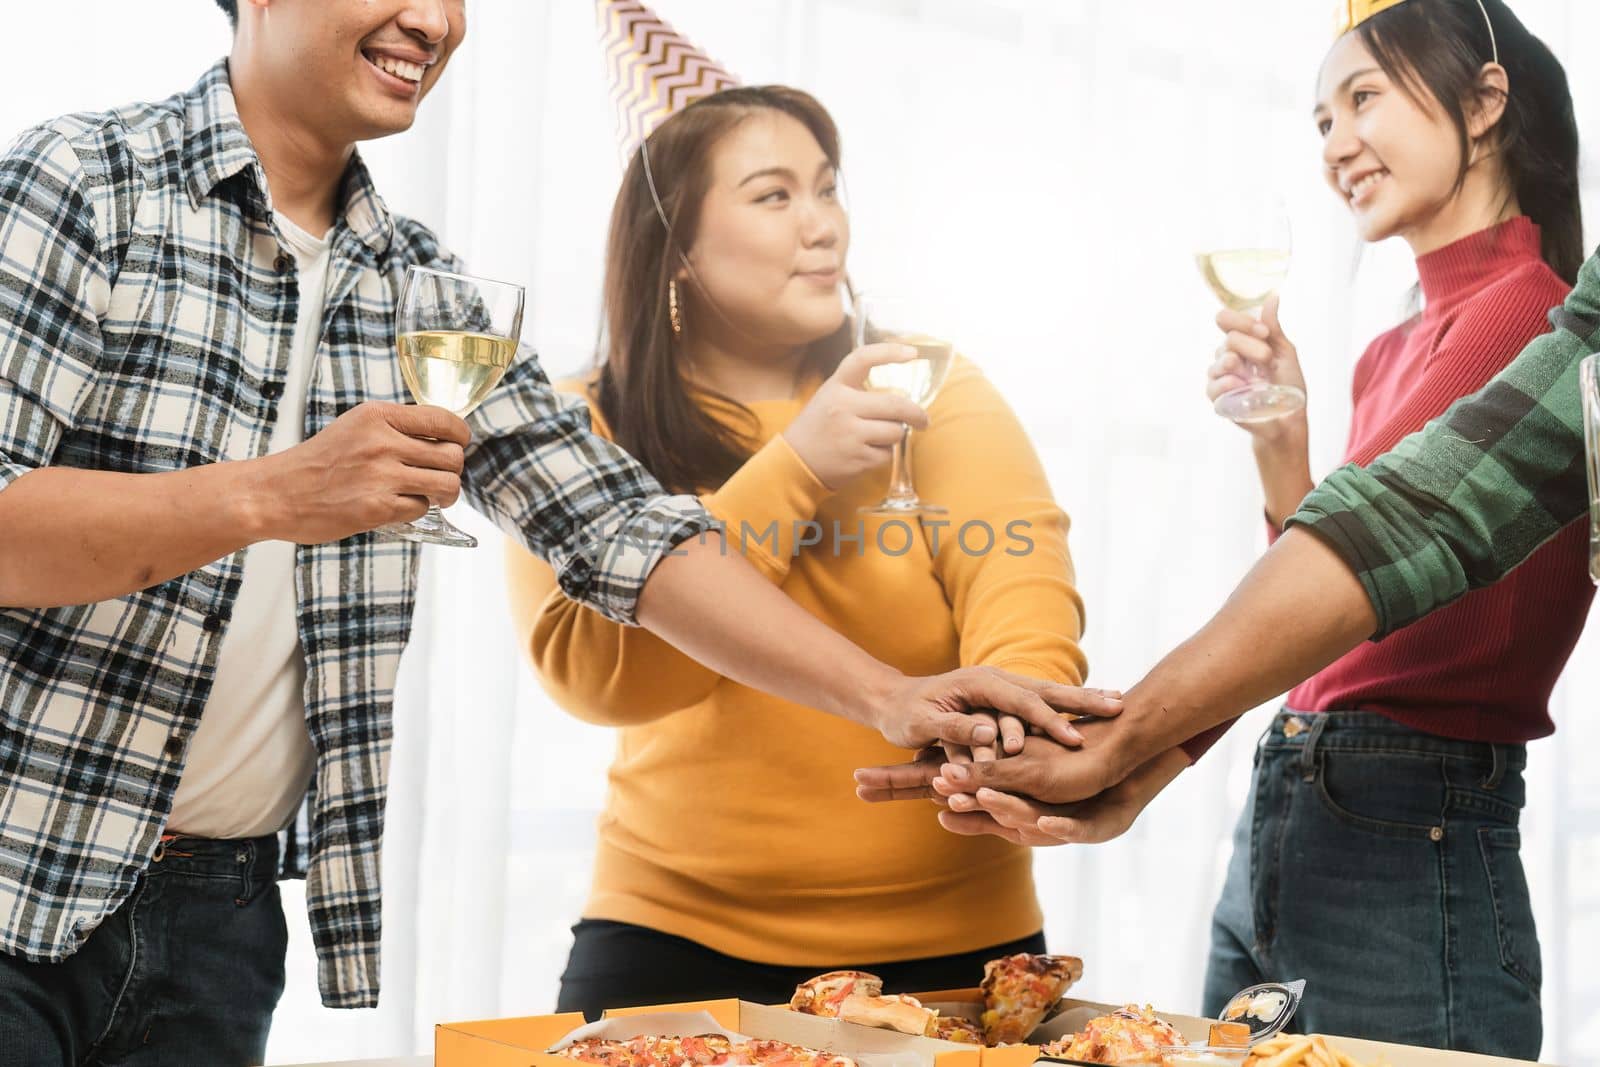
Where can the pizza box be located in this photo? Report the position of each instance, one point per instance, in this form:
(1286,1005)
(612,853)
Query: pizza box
(1075,1013)
(523,1042)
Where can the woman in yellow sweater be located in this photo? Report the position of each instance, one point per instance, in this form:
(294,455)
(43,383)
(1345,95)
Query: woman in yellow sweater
(734,857)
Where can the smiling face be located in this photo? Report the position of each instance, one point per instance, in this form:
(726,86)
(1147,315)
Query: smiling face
(769,248)
(360,67)
(1392,160)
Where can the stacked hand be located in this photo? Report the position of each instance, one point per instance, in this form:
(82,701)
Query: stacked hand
(979,708)
(1041,791)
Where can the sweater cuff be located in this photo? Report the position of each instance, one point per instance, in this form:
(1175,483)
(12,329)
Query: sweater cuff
(768,507)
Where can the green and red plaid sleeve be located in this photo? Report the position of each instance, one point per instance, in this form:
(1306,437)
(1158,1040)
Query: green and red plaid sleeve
(1459,504)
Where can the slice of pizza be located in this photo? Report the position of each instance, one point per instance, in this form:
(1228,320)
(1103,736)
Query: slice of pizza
(762,1052)
(706,1050)
(1018,991)
(599,1050)
(823,994)
(650,1051)
(955,1028)
(1129,1035)
(899,1012)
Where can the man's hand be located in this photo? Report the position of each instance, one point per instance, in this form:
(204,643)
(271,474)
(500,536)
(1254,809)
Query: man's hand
(376,464)
(1028,822)
(924,711)
(1044,770)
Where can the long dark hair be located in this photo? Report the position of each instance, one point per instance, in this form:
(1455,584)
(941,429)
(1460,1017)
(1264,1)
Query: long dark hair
(1437,49)
(641,391)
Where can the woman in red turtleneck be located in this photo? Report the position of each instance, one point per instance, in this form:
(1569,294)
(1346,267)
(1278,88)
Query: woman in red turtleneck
(1377,855)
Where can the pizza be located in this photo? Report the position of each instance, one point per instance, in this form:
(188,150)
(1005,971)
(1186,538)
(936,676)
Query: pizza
(596,1050)
(955,1028)
(1129,1035)
(823,994)
(702,1050)
(761,1052)
(1020,990)
(901,1012)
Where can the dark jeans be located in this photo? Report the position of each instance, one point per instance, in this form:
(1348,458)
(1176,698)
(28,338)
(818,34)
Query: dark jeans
(187,971)
(618,965)
(1381,865)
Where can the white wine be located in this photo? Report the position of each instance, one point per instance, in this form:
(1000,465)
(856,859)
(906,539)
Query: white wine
(452,369)
(917,379)
(1243,278)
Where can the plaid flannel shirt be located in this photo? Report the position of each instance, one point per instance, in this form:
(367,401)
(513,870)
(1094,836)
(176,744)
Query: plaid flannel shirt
(1459,504)
(147,306)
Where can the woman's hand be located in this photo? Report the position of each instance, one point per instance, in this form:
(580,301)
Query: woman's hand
(1028,822)
(847,430)
(1255,350)
(969,708)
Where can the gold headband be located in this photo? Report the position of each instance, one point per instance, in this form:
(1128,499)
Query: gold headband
(1348,14)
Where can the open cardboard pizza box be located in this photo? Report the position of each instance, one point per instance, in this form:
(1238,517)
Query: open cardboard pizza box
(523,1042)
(1075,1013)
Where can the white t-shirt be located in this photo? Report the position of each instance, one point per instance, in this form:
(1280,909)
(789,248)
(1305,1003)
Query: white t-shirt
(251,758)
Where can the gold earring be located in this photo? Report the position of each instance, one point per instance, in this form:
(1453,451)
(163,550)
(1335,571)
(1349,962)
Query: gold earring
(672,307)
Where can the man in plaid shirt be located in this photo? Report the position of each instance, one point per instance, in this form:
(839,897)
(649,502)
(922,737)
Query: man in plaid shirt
(196,359)
(1454,507)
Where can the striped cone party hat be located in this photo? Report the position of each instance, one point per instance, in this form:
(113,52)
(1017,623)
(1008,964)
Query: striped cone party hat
(654,71)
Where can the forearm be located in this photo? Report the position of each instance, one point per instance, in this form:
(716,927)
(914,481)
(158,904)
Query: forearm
(1298,610)
(716,608)
(72,536)
(1285,468)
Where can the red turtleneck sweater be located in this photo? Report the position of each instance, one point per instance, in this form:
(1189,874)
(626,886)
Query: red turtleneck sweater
(1482,668)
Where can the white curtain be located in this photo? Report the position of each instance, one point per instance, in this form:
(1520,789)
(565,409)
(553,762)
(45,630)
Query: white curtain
(1031,162)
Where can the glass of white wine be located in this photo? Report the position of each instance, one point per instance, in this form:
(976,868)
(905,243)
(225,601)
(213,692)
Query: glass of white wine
(1243,254)
(877,319)
(456,335)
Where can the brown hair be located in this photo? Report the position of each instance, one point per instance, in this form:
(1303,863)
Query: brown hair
(1439,47)
(641,392)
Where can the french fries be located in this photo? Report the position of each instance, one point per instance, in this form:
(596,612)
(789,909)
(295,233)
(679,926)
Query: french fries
(1297,1050)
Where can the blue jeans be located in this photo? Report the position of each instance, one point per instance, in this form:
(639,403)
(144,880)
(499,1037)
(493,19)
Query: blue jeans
(1381,865)
(187,971)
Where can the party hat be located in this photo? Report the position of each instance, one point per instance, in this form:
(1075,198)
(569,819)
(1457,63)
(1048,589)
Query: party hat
(654,70)
(1348,14)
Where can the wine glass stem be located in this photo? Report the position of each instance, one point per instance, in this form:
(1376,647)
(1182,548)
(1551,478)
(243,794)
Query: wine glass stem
(1256,372)
(900,487)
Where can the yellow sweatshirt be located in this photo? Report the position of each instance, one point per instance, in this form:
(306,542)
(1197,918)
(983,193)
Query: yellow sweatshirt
(732,818)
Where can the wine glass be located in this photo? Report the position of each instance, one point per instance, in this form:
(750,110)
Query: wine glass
(456,336)
(1243,253)
(895,319)
(1589,386)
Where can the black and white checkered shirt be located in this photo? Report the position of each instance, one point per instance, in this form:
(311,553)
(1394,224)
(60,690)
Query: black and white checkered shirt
(147,306)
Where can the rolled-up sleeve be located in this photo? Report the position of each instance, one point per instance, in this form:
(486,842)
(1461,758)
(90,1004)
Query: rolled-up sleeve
(572,498)
(1461,503)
